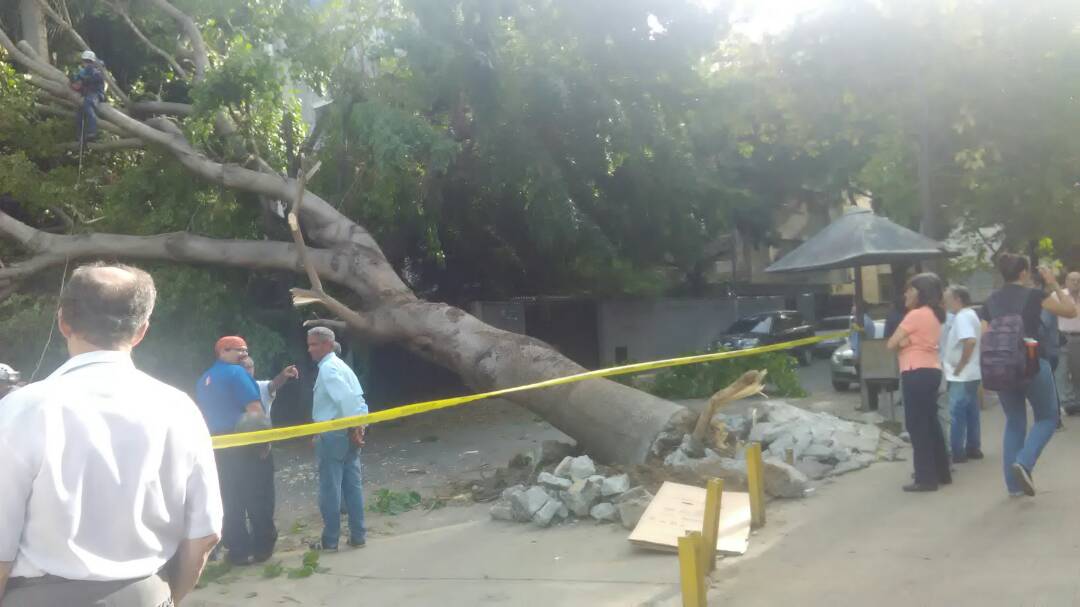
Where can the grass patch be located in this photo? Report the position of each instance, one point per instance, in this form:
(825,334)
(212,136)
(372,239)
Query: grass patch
(394,502)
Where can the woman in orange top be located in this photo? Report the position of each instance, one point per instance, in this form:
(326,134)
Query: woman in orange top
(917,340)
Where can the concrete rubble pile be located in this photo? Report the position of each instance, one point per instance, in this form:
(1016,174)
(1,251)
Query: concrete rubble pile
(822,444)
(573,489)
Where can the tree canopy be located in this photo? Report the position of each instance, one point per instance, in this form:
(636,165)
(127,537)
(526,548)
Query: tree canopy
(496,148)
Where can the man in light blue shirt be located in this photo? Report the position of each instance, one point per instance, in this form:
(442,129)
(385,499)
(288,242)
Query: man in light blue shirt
(337,394)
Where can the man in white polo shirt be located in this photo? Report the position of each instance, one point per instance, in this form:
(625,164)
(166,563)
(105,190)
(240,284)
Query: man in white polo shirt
(960,355)
(109,494)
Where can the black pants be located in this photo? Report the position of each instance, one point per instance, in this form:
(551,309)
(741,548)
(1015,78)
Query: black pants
(247,493)
(920,388)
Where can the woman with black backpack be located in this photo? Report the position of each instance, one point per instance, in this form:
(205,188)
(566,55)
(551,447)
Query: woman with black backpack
(917,338)
(1012,321)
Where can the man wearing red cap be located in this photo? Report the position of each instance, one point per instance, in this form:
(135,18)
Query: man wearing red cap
(227,395)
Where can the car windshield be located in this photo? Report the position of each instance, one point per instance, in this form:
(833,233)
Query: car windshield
(753,324)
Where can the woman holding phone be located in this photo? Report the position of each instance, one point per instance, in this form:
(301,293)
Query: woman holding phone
(1022,449)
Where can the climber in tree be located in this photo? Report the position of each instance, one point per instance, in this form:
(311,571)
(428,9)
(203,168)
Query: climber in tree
(90,83)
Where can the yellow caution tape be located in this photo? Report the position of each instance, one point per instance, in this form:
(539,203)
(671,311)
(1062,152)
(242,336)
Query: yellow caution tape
(279,434)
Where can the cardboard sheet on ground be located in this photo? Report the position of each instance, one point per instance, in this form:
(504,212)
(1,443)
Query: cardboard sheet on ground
(678,508)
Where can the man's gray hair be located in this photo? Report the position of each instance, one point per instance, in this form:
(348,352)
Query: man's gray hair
(322,334)
(337,348)
(107,304)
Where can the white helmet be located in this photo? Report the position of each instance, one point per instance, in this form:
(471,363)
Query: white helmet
(89,56)
(8,375)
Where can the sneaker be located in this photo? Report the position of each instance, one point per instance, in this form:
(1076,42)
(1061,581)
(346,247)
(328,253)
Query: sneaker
(959,459)
(321,547)
(357,543)
(1022,476)
(974,454)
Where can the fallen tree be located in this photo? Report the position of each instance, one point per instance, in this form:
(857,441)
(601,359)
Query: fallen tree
(609,420)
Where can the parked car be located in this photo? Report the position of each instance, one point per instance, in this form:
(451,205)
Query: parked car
(768,328)
(832,324)
(843,370)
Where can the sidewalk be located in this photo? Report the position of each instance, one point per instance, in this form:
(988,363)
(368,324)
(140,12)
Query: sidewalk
(463,559)
(863,541)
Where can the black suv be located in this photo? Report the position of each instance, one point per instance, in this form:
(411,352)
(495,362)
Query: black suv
(768,328)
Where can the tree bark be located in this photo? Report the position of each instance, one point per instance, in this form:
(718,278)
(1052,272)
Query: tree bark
(34,32)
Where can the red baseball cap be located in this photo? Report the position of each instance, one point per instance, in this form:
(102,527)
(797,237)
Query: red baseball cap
(228,342)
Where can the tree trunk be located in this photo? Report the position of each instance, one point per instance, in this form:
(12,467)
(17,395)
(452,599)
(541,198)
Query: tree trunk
(32,19)
(610,421)
(613,422)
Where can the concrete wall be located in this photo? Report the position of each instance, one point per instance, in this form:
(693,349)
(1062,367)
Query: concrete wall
(505,315)
(640,330)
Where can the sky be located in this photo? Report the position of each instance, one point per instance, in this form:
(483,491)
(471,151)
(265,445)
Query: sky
(759,17)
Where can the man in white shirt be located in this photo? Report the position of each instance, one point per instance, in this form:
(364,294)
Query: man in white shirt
(109,494)
(1067,372)
(960,358)
(268,387)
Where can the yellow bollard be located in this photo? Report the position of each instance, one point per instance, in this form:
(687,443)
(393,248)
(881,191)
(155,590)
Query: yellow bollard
(691,573)
(755,480)
(711,525)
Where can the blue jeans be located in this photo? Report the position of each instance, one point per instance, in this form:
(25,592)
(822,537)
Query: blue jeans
(964,432)
(339,476)
(87,119)
(1020,446)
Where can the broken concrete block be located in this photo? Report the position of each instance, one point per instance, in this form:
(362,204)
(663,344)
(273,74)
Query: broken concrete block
(547,513)
(510,491)
(604,512)
(554,482)
(563,469)
(552,451)
(850,465)
(739,425)
(519,510)
(782,480)
(865,442)
(633,494)
(813,469)
(766,432)
(818,450)
(631,505)
(564,512)
(527,503)
(615,485)
(581,496)
(582,467)
(502,510)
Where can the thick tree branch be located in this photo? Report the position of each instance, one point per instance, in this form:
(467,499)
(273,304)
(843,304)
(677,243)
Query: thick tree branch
(105,146)
(161,107)
(119,10)
(69,113)
(191,31)
(294,226)
(70,29)
(50,250)
(26,55)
